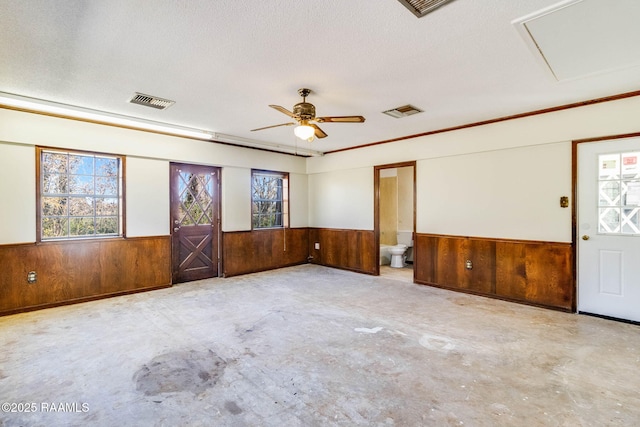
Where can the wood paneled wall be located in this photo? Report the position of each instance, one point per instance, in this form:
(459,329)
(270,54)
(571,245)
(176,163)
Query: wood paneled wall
(81,271)
(538,273)
(258,250)
(347,249)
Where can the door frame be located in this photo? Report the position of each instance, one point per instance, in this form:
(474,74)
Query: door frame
(216,240)
(574,208)
(376,210)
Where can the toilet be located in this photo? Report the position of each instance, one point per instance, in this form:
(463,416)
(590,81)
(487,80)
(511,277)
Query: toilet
(398,251)
(397,255)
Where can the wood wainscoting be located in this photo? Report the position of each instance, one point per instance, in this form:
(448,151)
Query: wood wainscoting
(346,249)
(537,273)
(76,271)
(259,250)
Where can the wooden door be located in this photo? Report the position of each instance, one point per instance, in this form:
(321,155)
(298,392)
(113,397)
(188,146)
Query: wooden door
(195,222)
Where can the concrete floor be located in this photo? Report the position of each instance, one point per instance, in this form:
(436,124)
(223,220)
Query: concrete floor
(314,346)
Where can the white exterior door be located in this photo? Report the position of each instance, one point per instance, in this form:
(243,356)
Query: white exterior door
(608,227)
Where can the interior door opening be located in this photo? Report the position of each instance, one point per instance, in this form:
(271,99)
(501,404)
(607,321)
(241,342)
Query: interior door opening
(395,220)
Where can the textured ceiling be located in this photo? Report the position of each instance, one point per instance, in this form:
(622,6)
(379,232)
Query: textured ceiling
(225,61)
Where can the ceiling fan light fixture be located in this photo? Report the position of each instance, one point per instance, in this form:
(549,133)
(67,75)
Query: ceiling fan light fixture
(304,131)
(303,113)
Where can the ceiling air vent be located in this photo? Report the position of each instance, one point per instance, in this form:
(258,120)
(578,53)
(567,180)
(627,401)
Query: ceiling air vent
(151,101)
(404,111)
(421,7)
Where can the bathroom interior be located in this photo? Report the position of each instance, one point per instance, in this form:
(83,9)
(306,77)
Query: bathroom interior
(396,221)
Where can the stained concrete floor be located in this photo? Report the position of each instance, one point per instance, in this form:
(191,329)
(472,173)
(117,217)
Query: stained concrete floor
(314,346)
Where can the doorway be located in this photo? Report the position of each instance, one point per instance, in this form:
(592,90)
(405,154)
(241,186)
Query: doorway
(395,218)
(608,228)
(195,222)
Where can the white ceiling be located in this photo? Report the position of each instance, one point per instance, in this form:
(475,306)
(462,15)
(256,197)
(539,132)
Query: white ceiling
(225,61)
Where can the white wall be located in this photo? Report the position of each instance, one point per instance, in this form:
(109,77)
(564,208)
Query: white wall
(17,193)
(298,200)
(342,199)
(502,180)
(236,199)
(147,169)
(147,207)
(512,193)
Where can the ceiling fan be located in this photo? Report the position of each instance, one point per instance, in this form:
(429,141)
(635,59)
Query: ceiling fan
(304,114)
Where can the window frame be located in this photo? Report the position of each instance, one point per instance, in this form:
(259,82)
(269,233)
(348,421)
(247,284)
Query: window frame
(284,212)
(121,196)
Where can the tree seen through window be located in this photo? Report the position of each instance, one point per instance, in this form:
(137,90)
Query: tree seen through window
(79,195)
(270,193)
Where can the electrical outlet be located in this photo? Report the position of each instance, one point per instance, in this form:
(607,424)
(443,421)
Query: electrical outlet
(32,277)
(316,245)
(468,265)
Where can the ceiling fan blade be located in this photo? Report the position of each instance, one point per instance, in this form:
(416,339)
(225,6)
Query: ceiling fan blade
(274,126)
(283,110)
(340,119)
(319,133)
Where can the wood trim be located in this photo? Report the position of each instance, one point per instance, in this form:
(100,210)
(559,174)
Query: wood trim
(497,239)
(38,194)
(260,250)
(497,120)
(607,138)
(531,272)
(123,198)
(376,215)
(73,271)
(574,221)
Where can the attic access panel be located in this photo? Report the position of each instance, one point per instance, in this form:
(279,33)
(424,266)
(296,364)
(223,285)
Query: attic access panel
(577,38)
(422,7)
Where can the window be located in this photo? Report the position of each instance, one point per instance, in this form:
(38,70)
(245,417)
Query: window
(619,193)
(270,199)
(80,195)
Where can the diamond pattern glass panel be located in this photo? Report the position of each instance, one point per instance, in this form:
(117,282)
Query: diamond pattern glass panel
(196,199)
(609,193)
(630,223)
(619,193)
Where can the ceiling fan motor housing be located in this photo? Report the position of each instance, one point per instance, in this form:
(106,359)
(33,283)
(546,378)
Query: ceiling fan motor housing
(304,111)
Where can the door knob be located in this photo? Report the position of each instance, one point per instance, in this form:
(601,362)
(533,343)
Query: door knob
(176,229)
(585,237)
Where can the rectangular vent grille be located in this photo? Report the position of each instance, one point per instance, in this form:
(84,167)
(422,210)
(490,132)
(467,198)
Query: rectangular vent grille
(151,101)
(422,7)
(404,111)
